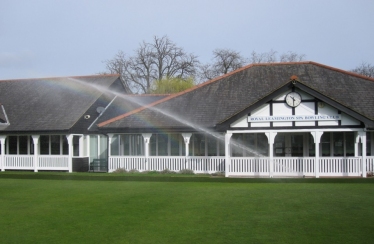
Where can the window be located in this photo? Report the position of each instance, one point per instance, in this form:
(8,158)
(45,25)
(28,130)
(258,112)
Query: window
(349,144)
(325,144)
(23,144)
(197,145)
(338,139)
(44,145)
(211,145)
(12,144)
(175,142)
(249,145)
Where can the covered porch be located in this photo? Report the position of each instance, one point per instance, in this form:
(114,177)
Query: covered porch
(42,152)
(309,153)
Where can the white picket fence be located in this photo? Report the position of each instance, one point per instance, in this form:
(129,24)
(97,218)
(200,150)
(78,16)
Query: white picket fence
(340,166)
(53,162)
(247,166)
(239,166)
(207,165)
(26,162)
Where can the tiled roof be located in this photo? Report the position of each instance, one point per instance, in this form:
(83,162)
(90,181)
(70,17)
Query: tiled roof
(51,104)
(219,99)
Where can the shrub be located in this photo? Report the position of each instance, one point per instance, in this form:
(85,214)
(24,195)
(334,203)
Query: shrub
(186,172)
(120,170)
(218,173)
(133,171)
(167,171)
(147,172)
(369,174)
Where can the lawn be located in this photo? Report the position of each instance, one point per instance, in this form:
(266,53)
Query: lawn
(70,208)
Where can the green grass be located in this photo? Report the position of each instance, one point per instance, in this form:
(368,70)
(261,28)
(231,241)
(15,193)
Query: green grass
(103,208)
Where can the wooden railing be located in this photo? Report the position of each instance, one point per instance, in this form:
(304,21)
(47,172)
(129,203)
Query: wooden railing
(174,163)
(245,166)
(45,162)
(53,162)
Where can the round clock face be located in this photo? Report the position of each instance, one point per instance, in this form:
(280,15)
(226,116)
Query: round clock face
(293,99)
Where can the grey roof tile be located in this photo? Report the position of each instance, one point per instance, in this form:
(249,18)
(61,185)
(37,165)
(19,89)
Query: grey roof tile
(50,104)
(215,101)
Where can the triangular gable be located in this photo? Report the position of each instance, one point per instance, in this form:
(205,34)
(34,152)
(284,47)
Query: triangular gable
(273,112)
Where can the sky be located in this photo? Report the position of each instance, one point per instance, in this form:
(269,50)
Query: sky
(45,38)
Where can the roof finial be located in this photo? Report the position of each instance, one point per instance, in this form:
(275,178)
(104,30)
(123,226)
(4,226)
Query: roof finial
(294,78)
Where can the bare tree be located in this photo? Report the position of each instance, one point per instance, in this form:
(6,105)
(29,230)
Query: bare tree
(153,61)
(224,61)
(118,65)
(365,69)
(291,57)
(269,57)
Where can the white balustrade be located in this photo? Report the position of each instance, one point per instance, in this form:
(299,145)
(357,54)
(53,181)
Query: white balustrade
(25,162)
(127,163)
(340,166)
(293,166)
(53,162)
(249,166)
(206,165)
(174,163)
(370,164)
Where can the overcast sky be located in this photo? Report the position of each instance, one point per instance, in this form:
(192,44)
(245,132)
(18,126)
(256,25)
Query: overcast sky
(44,38)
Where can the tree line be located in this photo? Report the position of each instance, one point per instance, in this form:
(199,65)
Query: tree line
(161,66)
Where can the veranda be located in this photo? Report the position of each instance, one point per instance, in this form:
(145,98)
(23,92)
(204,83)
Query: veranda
(242,153)
(236,153)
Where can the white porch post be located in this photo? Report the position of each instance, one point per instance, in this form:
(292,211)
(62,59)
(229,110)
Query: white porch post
(186,138)
(35,139)
(357,140)
(2,141)
(363,143)
(88,150)
(271,137)
(147,139)
(70,146)
(110,137)
(227,154)
(317,139)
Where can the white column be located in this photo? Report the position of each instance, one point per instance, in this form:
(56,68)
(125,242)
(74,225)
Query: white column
(271,137)
(363,143)
(147,139)
(186,138)
(70,146)
(88,149)
(227,153)
(110,137)
(35,139)
(357,140)
(317,139)
(2,141)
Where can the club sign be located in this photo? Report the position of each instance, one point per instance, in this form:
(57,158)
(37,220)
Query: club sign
(282,118)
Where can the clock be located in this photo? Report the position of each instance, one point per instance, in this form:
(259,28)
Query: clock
(293,99)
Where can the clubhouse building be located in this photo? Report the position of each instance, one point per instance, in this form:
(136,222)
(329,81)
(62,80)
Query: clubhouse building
(299,119)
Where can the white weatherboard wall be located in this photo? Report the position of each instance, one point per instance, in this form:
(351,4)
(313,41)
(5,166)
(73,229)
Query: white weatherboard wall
(306,108)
